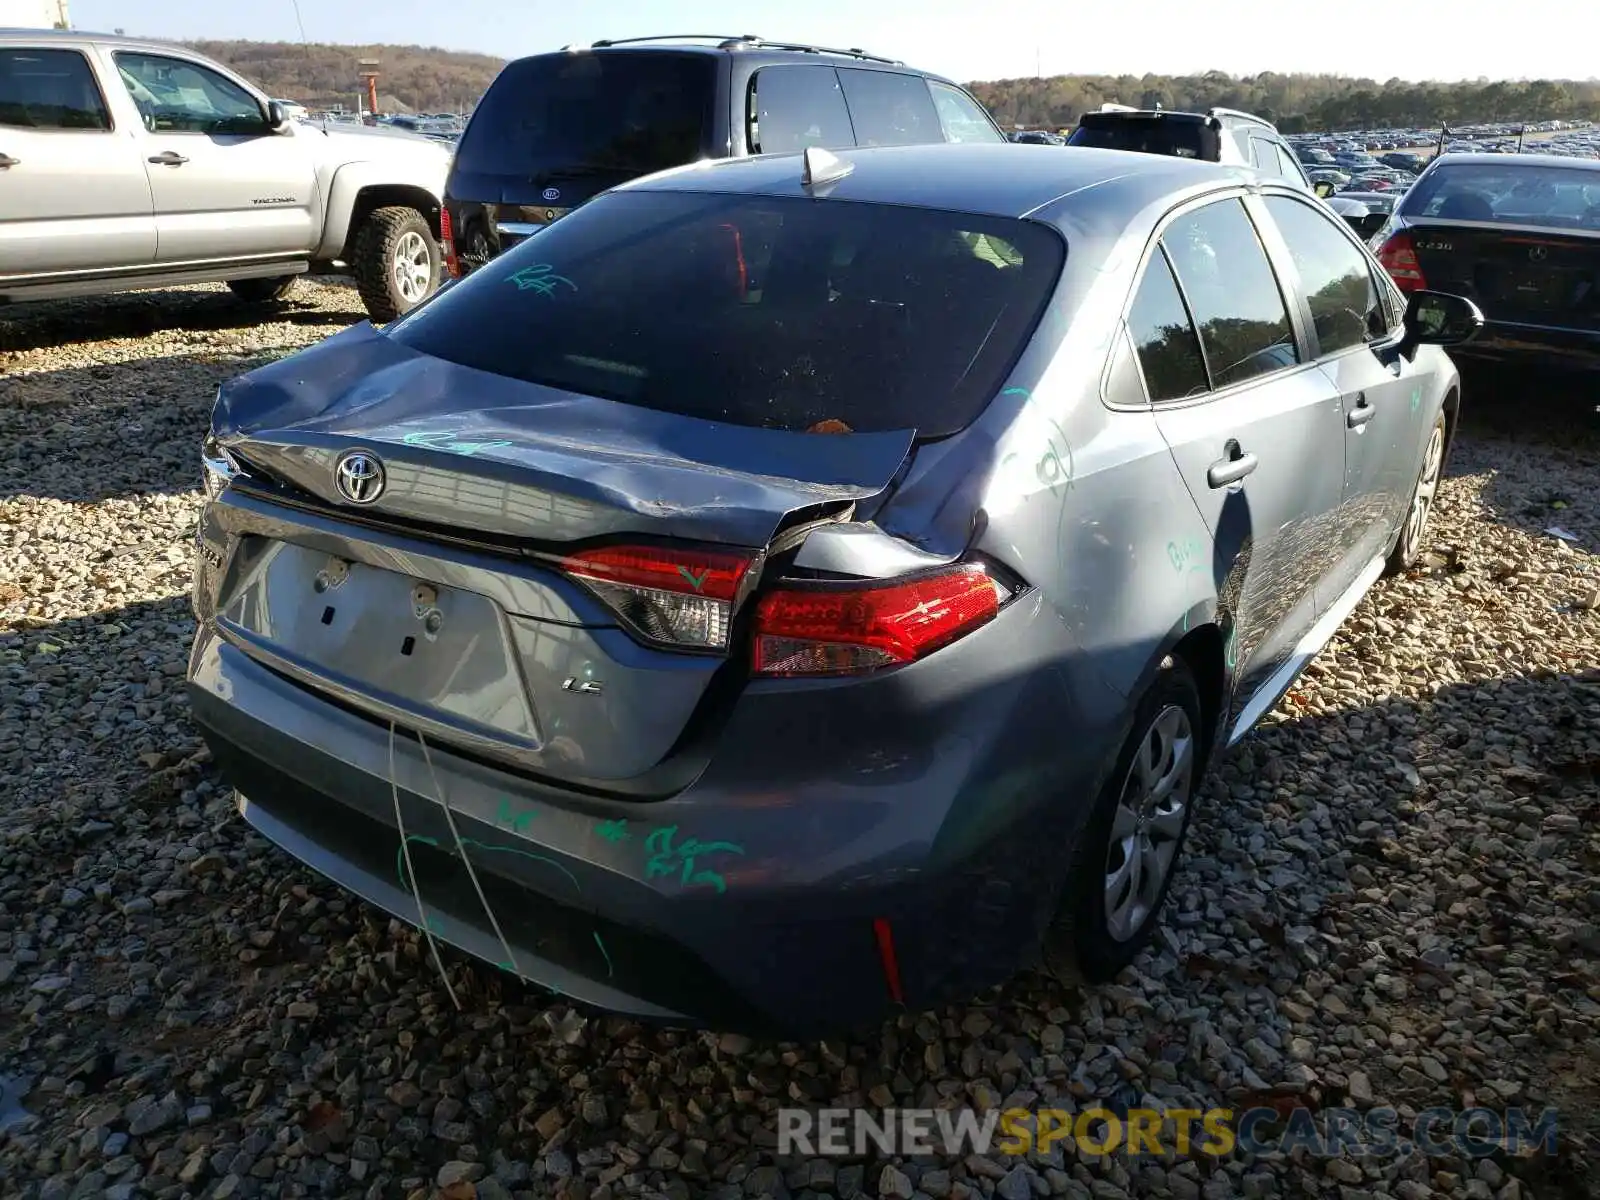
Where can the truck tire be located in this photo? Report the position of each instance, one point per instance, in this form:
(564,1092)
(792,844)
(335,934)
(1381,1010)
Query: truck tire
(396,262)
(263,291)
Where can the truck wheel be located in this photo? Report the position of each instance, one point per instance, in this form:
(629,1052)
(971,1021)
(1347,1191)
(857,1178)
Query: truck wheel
(263,291)
(396,262)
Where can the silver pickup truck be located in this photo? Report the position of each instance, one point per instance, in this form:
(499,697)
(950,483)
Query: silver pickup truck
(127,164)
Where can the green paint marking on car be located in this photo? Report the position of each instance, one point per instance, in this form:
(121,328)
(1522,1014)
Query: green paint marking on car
(541,278)
(668,859)
(449,443)
(611,971)
(513,820)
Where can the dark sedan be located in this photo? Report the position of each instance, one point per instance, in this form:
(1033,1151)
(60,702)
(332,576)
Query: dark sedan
(795,589)
(1520,235)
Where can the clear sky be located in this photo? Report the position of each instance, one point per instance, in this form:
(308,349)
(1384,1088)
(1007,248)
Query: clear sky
(965,39)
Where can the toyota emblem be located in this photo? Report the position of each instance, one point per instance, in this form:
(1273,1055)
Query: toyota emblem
(1538,253)
(552,194)
(359,477)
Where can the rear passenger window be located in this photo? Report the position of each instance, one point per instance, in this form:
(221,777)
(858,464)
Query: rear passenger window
(791,108)
(1232,292)
(50,89)
(1289,168)
(890,109)
(1164,337)
(963,117)
(1346,307)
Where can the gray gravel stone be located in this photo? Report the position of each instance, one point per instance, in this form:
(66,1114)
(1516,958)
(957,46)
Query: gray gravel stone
(1388,892)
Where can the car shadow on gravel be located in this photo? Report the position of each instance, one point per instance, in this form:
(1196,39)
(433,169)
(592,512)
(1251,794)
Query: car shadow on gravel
(128,428)
(141,314)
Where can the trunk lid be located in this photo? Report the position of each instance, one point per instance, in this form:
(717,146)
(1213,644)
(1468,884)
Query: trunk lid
(513,655)
(1522,275)
(467,449)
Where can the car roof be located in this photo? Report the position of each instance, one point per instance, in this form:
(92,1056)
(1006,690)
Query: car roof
(80,36)
(1000,179)
(749,48)
(1532,160)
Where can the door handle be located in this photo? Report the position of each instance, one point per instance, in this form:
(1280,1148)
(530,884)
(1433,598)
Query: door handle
(167,158)
(1361,413)
(1226,472)
(7,161)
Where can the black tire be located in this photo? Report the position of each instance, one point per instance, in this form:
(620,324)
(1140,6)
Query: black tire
(1080,946)
(263,291)
(1413,532)
(377,246)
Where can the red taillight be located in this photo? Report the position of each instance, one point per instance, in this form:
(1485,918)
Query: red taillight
(681,597)
(447,244)
(842,628)
(1399,258)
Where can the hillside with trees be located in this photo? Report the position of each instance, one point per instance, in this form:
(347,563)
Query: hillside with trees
(410,79)
(1293,102)
(425,79)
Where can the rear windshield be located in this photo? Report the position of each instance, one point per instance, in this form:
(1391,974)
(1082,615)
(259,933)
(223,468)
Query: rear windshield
(1182,138)
(783,313)
(573,114)
(1518,193)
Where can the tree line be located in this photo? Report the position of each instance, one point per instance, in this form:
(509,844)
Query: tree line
(1295,103)
(426,79)
(410,78)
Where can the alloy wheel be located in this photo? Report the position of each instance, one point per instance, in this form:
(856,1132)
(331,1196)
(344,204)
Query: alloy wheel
(1147,827)
(413,267)
(1427,487)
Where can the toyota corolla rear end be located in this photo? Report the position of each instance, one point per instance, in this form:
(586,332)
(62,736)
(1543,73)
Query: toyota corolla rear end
(1519,235)
(573,589)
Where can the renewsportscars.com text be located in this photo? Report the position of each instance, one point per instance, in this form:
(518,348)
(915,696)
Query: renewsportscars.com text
(1218,1132)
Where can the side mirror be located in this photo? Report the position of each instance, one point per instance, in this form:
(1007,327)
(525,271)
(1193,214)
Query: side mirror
(1439,319)
(277,118)
(1323,188)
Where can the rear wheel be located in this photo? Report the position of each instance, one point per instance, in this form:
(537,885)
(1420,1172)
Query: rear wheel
(263,291)
(1129,851)
(396,262)
(1409,544)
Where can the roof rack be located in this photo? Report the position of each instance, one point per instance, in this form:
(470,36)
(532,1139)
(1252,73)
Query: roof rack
(753,41)
(676,37)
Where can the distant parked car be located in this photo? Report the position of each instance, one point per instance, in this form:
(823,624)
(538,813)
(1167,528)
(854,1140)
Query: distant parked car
(554,130)
(1518,234)
(1219,135)
(127,164)
(791,590)
(1404,160)
(1037,137)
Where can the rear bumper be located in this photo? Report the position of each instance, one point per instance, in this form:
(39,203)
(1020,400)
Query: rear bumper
(1536,345)
(748,901)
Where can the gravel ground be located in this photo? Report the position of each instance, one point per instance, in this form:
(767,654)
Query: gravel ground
(1393,895)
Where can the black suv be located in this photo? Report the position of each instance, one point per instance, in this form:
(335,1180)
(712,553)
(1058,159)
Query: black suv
(1222,135)
(554,130)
